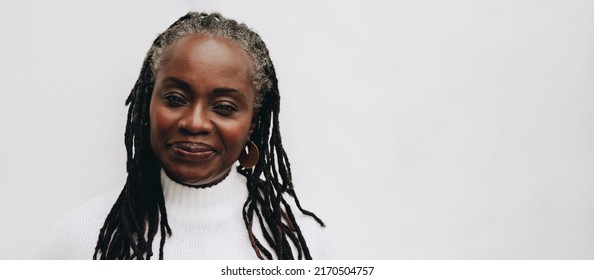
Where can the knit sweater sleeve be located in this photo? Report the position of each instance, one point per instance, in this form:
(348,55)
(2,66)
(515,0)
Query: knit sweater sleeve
(74,237)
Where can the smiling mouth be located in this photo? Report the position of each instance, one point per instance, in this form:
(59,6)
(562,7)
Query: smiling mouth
(192,150)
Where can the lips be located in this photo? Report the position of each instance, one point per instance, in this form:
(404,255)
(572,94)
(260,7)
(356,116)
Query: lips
(192,150)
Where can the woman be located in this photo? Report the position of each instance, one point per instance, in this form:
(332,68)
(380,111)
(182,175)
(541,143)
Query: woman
(206,97)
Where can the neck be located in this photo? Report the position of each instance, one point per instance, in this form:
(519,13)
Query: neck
(203,186)
(225,198)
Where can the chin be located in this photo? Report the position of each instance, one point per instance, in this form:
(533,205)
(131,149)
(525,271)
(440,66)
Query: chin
(195,174)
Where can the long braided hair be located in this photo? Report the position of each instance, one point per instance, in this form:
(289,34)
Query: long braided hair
(139,213)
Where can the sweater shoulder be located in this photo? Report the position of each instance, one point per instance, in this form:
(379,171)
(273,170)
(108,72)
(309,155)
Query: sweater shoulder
(74,237)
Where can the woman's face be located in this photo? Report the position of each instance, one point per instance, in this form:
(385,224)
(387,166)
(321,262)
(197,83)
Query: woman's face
(202,108)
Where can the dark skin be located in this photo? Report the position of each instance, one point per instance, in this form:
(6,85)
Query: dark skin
(202,108)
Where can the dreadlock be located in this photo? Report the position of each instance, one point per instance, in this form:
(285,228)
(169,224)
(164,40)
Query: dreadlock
(139,212)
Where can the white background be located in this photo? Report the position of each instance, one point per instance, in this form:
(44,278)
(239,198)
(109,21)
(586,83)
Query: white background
(415,129)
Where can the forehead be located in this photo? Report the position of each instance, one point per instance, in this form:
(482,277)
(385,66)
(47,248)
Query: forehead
(206,49)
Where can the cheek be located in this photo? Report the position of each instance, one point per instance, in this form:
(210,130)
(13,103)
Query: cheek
(236,134)
(161,121)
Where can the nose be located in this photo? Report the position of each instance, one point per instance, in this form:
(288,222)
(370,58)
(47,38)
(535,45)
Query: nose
(196,120)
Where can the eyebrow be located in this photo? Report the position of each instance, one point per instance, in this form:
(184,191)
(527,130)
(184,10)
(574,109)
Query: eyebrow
(180,83)
(222,91)
(226,91)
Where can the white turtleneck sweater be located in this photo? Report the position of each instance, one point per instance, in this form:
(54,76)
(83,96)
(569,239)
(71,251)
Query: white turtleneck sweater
(206,223)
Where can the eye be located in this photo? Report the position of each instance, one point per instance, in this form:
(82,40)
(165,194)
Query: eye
(174,99)
(225,108)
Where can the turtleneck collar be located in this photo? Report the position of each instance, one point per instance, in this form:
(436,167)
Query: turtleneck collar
(222,200)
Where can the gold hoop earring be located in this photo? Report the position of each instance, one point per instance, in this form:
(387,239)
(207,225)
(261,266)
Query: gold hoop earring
(249,159)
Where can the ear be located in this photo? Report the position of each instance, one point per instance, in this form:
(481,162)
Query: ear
(254,121)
